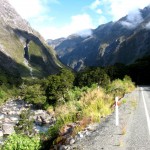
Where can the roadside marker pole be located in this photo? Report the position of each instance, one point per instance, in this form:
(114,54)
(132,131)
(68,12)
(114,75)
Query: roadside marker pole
(117,111)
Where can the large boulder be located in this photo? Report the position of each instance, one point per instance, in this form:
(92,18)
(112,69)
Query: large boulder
(8,129)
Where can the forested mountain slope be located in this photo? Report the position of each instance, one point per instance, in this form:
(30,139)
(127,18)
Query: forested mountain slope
(22,49)
(122,41)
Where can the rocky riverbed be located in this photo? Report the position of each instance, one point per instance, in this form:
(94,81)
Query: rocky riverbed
(10,116)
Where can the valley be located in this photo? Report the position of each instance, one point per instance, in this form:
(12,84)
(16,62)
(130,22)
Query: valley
(60,94)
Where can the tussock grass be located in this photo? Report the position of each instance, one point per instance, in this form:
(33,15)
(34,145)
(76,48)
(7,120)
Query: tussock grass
(120,87)
(90,106)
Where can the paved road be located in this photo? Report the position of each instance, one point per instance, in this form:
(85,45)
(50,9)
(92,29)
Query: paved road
(108,136)
(133,117)
(138,136)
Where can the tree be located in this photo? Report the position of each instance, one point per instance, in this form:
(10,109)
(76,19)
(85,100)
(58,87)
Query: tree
(35,94)
(91,76)
(116,71)
(58,85)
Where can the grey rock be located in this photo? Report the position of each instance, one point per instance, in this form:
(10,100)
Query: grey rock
(72,141)
(1,116)
(92,127)
(15,119)
(8,129)
(1,133)
(62,147)
(7,120)
(80,135)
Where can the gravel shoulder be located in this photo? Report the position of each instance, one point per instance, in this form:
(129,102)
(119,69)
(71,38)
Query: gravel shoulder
(107,135)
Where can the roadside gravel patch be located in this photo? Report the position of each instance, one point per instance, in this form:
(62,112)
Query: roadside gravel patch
(107,135)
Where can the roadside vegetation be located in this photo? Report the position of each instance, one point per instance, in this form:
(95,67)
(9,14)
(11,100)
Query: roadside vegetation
(82,98)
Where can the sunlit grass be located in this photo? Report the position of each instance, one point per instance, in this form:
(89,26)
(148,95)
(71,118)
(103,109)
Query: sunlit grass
(92,105)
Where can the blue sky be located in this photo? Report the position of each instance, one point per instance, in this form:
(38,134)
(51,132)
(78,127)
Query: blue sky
(60,18)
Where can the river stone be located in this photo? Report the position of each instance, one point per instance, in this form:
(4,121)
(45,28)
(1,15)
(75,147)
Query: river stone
(5,109)
(7,120)
(92,127)
(1,116)
(72,141)
(62,147)
(80,134)
(1,133)
(11,112)
(8,129)
(14,118)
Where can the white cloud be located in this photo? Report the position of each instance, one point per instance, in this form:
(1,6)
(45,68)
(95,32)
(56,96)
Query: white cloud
(147,26)
(120,8)
(27,8)
(95,4)
(78,24)
(133,19)
(99,11)
(36,12)
(102,20)
(85,33)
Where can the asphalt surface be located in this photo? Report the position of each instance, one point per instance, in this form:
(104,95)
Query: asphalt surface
(138,136)
(133,132)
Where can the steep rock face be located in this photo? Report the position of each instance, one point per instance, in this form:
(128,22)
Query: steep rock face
(122,41)
(19,42)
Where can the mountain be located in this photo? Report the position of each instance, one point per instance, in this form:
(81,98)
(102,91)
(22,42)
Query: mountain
(122,41)
(56,42)
(22,49)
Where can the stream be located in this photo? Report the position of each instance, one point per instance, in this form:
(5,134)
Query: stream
(10,116)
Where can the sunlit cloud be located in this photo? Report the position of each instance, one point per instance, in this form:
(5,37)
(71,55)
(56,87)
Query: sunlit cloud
(102,20)
(27,8)
(133,19)
(99,11)
(147,26)
(38,13)
(79,24)
(95,4)
(120,8)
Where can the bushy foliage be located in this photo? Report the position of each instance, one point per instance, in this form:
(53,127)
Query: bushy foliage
(34,94)
(91,76)
(58,86)
(8,79)
(25,124)
(117,71)
(120,87)
(21,142)
(75,93)
(8,84)
(140,71)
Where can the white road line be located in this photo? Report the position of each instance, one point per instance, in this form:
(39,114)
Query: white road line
(146,112)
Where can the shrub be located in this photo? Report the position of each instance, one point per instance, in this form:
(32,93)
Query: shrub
(58,86)
(21,142)
(35,94)
(25,125)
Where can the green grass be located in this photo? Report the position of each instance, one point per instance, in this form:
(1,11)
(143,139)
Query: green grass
(90,106)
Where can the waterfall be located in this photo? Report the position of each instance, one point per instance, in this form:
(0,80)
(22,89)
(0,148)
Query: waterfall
(26,58)
(28,66)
